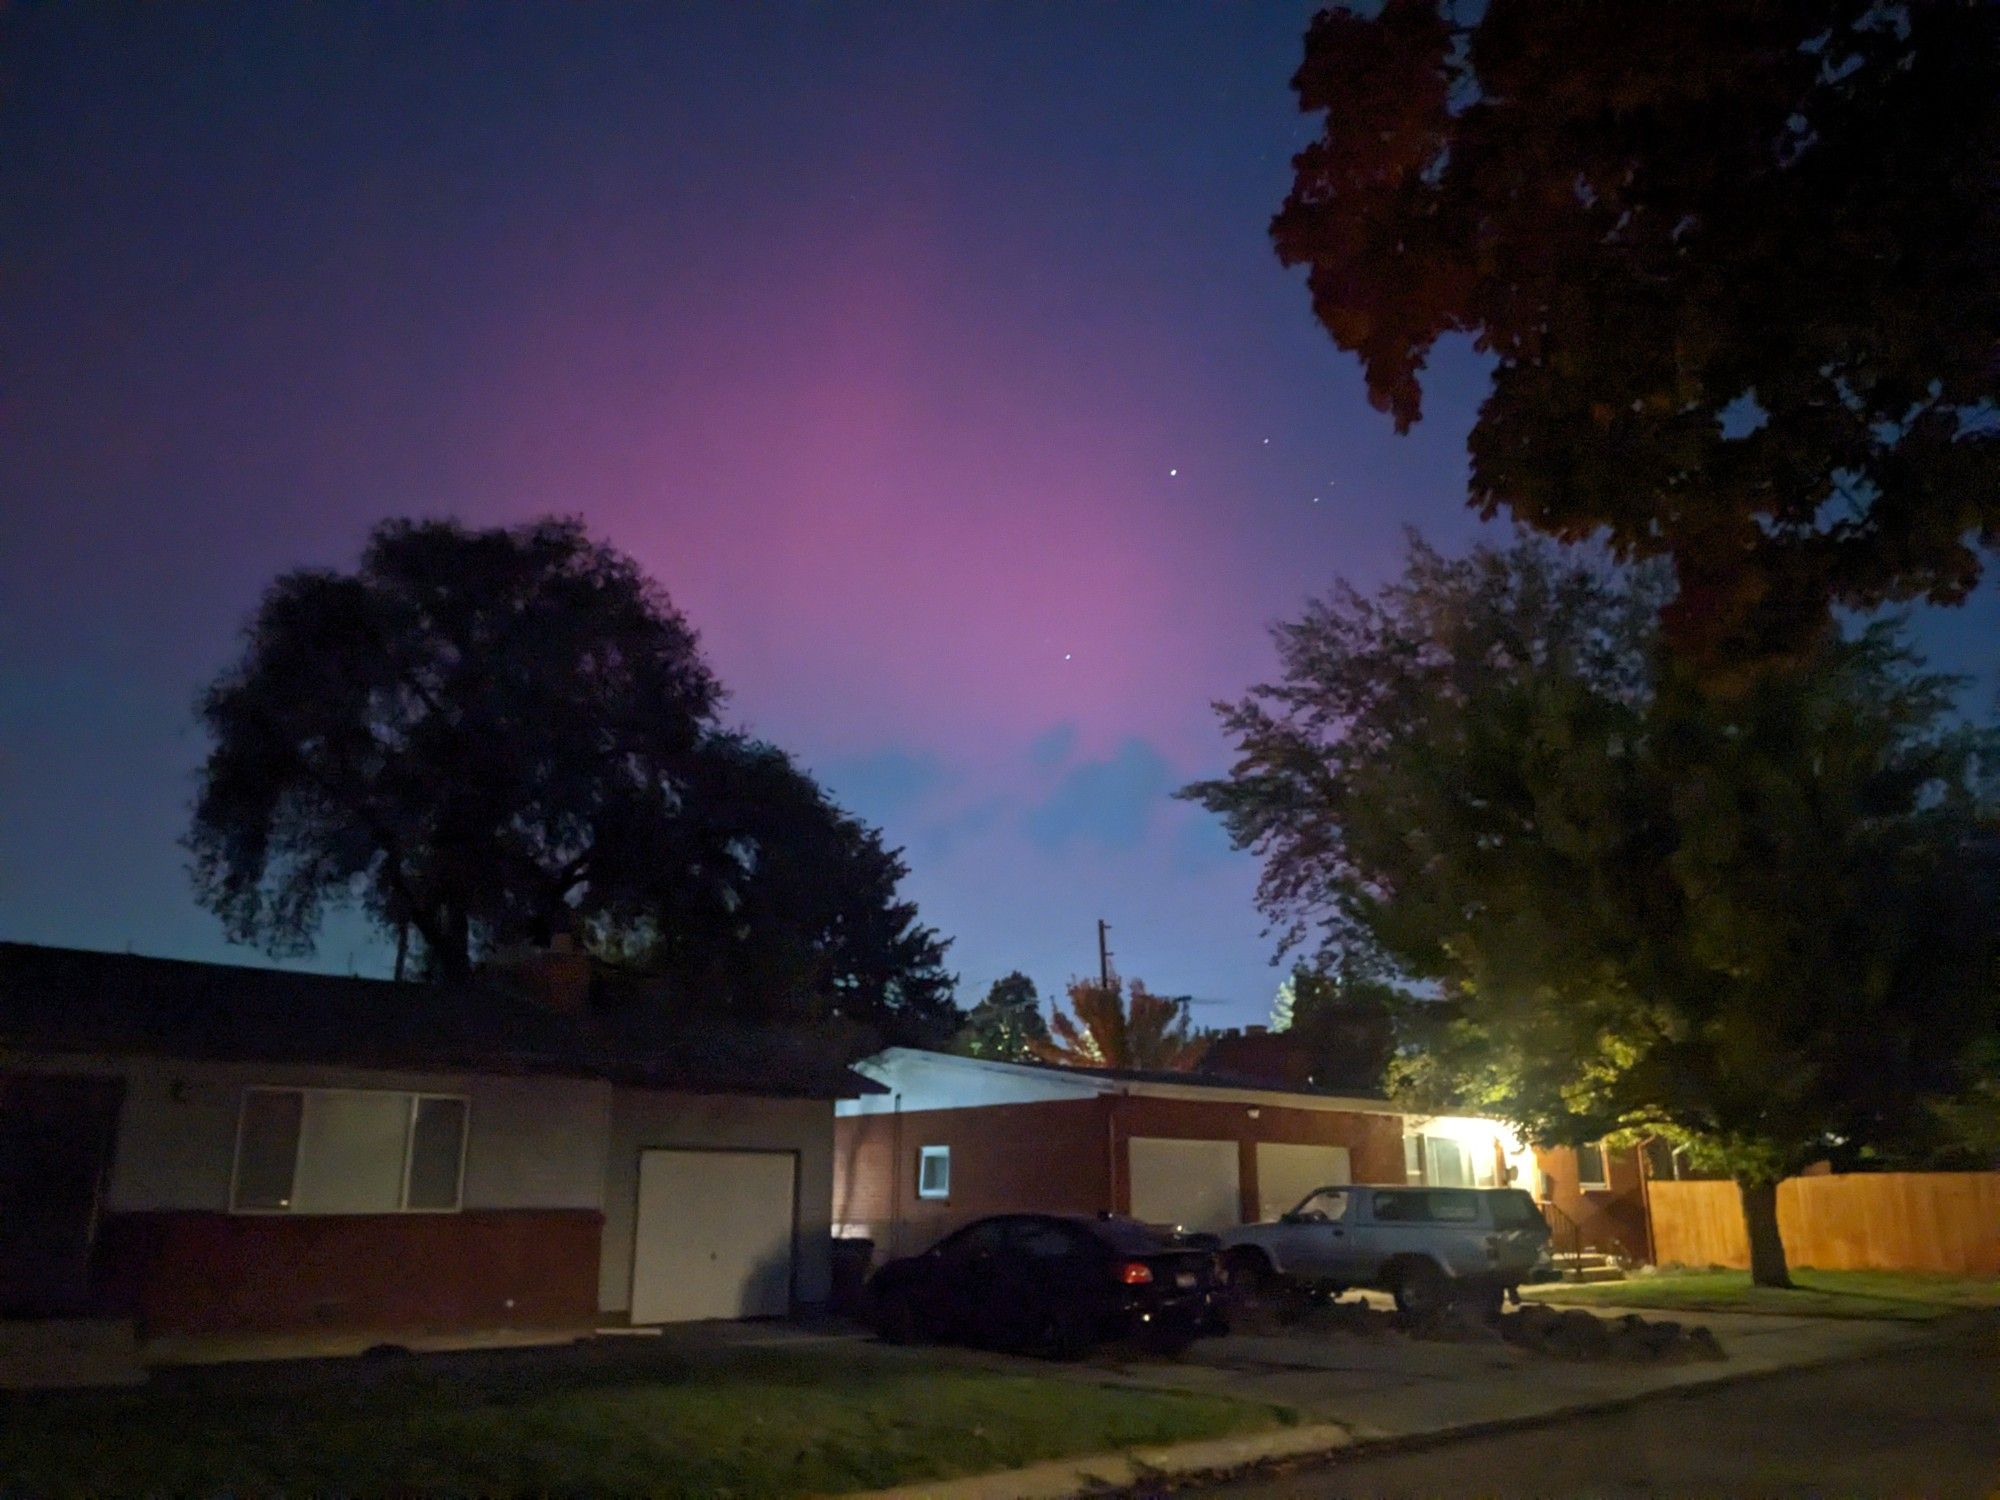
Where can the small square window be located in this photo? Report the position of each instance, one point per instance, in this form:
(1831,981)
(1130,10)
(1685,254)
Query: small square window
(1590,1167)
(934,1172)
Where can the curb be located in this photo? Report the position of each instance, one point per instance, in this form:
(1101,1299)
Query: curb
(1062,1478)
(1170,1466)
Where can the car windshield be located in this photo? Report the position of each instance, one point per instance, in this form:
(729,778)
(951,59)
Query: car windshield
(1325,1206)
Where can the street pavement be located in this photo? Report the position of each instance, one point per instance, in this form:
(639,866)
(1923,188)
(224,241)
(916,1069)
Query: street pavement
(1914,1421)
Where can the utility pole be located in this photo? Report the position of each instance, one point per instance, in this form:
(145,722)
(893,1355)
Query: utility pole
(1103,954)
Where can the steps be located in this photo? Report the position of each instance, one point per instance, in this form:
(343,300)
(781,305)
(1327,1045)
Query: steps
(1587,1266)
(52,1353)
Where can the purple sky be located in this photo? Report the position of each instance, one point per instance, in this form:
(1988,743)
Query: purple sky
(877,333)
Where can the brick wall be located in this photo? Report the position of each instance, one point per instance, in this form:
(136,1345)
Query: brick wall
(1065,1156)
(1611,1219)
(1050,1157)
(241,1273)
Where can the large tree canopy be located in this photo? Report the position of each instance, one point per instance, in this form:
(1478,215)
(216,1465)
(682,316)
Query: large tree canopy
(1763,925)
(489,737)
(1737,265)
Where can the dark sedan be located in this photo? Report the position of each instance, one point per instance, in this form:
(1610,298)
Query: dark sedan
(1052,1284)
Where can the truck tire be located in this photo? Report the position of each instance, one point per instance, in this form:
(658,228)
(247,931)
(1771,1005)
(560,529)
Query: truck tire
(1250,1274)
(1420,1288)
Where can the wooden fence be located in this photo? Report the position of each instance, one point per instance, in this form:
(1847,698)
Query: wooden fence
(1881,1221)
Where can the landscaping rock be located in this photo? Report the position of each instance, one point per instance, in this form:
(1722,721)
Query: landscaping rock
(1558,1332)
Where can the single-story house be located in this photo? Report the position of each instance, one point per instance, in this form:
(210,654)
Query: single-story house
(207,1148)
(948,1139)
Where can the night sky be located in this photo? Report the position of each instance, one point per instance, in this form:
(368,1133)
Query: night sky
(933,357)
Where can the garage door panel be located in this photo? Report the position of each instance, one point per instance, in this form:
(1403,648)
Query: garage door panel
(1286,1174)
(714,1235)
(1193,1183)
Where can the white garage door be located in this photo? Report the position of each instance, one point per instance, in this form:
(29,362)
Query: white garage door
(1285,1174)
(1190,1183)
(713,1235)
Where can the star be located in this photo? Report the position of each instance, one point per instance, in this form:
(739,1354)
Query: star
(1172,472)
(1065,656)
(1267,442)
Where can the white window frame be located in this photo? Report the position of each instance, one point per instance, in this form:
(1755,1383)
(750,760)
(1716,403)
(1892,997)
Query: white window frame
(925,1156)
(416,1098)
(1601,1185)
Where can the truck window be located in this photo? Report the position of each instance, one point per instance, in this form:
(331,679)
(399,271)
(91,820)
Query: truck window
(1328,1205)
(1515,1210)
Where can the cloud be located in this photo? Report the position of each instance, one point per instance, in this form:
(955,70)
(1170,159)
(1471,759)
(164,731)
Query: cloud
(881,784)
(1053,748)
(1108,802)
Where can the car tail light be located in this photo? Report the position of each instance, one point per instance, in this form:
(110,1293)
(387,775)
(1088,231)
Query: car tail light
(1135,1273)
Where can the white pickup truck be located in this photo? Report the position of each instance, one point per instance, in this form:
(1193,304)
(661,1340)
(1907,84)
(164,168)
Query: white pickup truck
(1428,1246)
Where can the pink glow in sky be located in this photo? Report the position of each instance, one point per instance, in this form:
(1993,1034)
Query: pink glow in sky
(932,358)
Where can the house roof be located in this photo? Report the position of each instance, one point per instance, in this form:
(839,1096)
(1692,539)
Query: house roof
(77,1000)
(985,1081)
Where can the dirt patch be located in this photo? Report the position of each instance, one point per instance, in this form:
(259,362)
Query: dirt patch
(1561,1333)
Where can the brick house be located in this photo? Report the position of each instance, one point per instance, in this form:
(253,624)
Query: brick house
(205,1148)
(949,1139)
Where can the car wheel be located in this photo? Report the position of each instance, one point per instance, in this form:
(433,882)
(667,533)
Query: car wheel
(1484,1302)
(1420,1289)
(1063,1336)
(1250,1275)
(896,1319)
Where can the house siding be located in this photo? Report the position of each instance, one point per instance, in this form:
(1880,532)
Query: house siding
(1062,1156)
(1611,1219)
(218,1273)
(1047,1157)
(544,1235)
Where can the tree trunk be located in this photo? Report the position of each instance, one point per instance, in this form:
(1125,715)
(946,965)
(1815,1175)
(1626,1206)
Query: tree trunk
(1767,1247)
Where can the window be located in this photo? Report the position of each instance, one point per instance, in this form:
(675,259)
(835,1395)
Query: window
(1515,1210)
(1590,1167)
(1413,1158)
(348,1151)
(934,1172)
(1039,1239)
(1485,1154)
(1328,1205)
(1448,1207)
(1447,1164)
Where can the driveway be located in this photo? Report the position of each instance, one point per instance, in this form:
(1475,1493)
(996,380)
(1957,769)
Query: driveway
(1392,1386)
(1919,1421)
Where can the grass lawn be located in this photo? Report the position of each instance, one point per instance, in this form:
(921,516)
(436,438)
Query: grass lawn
(1906,1295)
(737,1423)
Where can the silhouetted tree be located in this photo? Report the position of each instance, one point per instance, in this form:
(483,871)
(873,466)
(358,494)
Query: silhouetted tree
(1119,1026)
(1736,265)
(1006,1024)
(1761,926)
(1344,1022)
(489,737)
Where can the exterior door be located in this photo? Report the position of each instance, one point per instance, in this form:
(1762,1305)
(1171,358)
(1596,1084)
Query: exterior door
(1320,1243)
(56,1135)
(713,1236)
(1189,1183)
